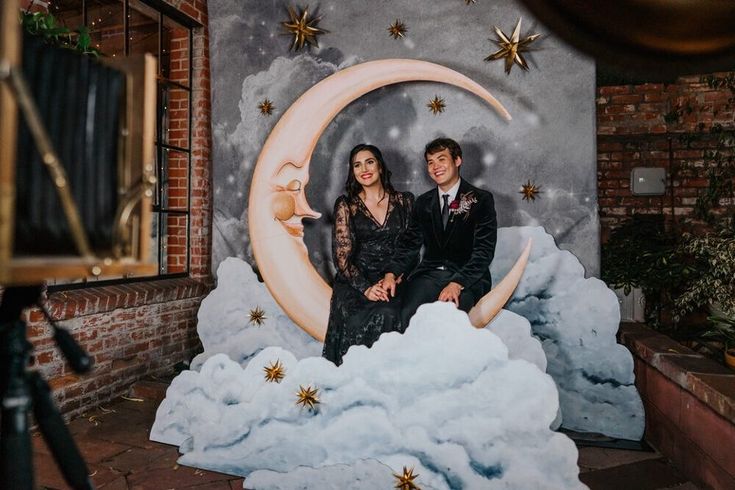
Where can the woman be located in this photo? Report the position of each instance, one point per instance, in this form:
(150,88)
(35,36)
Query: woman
(368,220)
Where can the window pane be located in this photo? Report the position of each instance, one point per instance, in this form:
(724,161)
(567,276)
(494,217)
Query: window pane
(142,29)
(175,183)
(105,23)
(175,52)
(174,243)
(68,13)
(174,116)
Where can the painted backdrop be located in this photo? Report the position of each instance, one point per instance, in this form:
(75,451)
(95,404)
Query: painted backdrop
(550,141)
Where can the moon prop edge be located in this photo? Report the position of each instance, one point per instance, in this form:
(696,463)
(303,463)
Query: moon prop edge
(277,201)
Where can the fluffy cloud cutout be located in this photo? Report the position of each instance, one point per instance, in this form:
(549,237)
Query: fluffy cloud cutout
(576,319)
(443,398)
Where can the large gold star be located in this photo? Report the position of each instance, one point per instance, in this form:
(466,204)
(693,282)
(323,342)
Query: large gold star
(436,105)
(512,49)
(530,191)
(257,316)
(266,107)
(397,29)
(303,28)
(274,372)
(307,397)
(405,481)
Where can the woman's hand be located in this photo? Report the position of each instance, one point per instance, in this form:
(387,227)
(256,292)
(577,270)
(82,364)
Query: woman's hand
(376,293)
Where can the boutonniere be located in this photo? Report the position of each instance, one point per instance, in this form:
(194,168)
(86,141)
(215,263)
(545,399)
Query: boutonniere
(462,205)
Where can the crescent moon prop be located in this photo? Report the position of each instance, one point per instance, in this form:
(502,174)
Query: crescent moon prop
(277,202)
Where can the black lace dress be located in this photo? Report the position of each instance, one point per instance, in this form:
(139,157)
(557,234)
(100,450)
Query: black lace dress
(361,247)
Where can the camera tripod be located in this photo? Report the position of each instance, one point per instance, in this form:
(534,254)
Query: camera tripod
(21,389)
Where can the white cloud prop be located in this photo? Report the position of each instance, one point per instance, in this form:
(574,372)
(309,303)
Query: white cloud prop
(577,320)
(443,397)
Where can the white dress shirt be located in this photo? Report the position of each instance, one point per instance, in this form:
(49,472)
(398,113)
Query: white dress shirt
(452,194)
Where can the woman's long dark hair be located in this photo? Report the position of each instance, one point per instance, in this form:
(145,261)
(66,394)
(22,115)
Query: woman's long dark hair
(352,186)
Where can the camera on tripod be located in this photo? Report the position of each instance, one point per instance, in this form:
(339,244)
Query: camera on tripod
(77,173)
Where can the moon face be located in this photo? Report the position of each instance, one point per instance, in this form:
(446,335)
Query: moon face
(277,202)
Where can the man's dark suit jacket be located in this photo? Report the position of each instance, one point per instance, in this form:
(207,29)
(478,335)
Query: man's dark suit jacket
(466,247)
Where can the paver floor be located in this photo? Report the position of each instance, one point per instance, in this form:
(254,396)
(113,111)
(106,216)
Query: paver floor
(114,441)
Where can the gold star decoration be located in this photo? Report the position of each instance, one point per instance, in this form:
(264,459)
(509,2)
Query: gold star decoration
(512,48)
(266,107)
(405,481)
(274,372)
(307,397)
(257,316)
(303,27)
(530,191)
(397,29)
(436,105)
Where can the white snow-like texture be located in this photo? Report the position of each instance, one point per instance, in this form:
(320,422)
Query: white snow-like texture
(443,398)
(576,319)
(224,325)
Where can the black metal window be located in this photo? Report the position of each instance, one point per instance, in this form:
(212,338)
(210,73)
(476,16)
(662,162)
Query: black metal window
(129,27)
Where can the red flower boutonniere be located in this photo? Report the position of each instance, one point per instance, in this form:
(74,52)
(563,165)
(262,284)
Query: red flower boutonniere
(462,205)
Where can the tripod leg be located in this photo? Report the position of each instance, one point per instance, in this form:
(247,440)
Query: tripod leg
(16,453)
(57,435)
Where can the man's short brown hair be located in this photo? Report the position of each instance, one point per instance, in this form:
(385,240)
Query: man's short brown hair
(440,144)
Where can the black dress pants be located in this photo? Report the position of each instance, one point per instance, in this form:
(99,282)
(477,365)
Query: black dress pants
(424,287)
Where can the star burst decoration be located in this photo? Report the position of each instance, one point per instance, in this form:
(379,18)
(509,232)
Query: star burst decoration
(266,107)
(303,28)
(405,481)
(530,191)
(274,372)
(512,49)
(307,397)
(257,316)
(397,29)
(436,105)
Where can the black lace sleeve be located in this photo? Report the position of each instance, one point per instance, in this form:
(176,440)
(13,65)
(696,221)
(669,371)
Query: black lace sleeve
(405,257)
(343,246)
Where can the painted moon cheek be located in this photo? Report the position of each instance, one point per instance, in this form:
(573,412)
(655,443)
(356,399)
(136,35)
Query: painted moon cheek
(284,205)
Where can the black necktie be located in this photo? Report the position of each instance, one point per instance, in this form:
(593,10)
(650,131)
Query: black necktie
(445,210)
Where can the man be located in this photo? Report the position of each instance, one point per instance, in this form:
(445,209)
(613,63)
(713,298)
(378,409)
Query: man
(456,224)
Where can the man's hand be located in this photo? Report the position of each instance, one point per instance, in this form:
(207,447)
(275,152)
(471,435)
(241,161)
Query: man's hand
(389,284)
(451,293)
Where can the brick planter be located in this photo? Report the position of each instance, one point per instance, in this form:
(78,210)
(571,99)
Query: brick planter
(690,406)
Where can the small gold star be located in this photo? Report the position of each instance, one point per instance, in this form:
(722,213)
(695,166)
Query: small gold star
(436,105)
(274,372)
(397,29)
(307,397)
(303,28)
(530,191)
(512,49)
(405,481)
(257,316)
(266,107)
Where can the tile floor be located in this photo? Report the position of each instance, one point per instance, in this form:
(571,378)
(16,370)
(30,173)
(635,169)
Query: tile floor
(114,441)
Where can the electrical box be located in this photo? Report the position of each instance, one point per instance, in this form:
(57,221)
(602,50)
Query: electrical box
(648,181)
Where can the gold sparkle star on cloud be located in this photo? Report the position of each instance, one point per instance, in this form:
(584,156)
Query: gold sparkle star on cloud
(307,397)
(436,105)
(274,372)
(257,316)
(530,191)
(303,28)
(397,29)
(405,480)
(512,49)
(266,107)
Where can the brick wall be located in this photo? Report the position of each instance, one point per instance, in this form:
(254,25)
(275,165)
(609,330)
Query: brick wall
(656,125)
(145,327)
